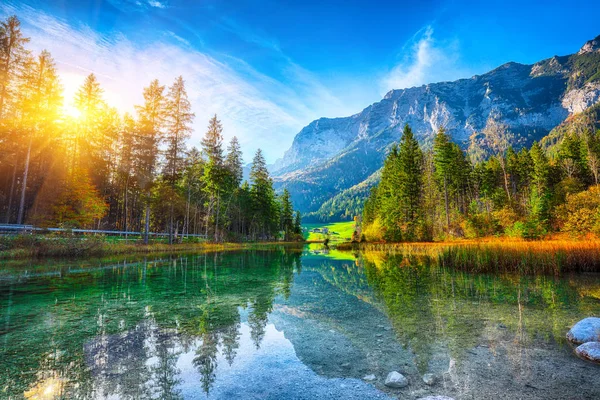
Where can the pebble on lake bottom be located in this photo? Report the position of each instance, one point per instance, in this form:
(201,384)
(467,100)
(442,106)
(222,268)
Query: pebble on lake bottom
(369,378)
(429,379)
(396,380)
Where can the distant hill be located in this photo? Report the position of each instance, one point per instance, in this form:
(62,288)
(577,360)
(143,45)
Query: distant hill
(331,164)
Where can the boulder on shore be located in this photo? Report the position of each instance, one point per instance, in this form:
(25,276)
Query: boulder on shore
(589,351)
(396,380)
(586,330)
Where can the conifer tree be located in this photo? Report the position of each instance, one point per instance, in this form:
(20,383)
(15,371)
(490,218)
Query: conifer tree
(214,179)
(151,119)
(178,119)
(443,157)
(263,197)
(286,215)
(40,102)
(13,56)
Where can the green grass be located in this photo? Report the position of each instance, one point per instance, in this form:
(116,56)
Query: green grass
(343,231)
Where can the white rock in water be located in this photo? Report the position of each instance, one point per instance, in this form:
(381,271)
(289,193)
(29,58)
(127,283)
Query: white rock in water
(586,330)
(436,398)
(369,377)
(429,379)
(396,380)
(589,351)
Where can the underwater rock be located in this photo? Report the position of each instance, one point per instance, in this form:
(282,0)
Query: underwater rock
(586,330)
(396,380)
(429,379)
(436,398)
(369,378)
(589,351)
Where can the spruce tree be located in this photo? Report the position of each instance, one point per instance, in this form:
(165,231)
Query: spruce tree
(151,116)
(410,162)
(263,198)
(443,157)
(13,55)
(286,214)
(215,174)
(179,117)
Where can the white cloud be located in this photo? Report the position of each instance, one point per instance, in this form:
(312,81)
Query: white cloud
(263,112)
(137,5)
(424,60)
(156,4)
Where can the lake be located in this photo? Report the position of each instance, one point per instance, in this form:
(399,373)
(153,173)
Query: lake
(287,323)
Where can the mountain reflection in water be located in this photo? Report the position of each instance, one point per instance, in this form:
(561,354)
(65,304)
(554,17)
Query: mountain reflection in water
(287,323)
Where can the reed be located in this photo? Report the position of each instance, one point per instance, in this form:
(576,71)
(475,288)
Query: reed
(543,257)
(501,255)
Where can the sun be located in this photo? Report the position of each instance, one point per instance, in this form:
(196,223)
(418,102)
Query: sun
(71,112)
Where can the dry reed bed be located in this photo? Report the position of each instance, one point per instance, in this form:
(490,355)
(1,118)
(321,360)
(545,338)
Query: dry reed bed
(555,256)
(546,257)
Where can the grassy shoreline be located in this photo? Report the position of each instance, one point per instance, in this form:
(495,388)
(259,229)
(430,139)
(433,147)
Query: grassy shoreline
(552,256)
(38,246)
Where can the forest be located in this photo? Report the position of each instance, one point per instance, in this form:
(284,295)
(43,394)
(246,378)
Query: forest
(91,166)
(442,193)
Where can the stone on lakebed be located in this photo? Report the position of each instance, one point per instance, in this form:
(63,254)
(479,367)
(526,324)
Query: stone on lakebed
(436,398)
(429,379)
(589,351)
(586,330)
(369,378)
(396,380)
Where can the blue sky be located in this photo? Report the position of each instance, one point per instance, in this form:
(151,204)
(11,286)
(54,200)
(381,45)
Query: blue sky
(268,68)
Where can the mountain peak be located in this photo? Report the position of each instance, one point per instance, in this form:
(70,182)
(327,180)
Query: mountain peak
(590,46)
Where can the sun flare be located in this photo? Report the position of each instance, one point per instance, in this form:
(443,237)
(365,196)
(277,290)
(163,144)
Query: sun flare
(72,112)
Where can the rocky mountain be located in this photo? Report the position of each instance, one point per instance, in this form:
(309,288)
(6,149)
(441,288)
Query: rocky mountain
(332,156)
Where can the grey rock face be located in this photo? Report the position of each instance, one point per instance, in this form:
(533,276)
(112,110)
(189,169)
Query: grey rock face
(589,351)
(331,155)
(586,330)
(396,380)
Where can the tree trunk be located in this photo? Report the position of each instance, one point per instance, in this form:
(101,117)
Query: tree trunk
(217,220)
(446,200)
(505,179)
(147,229)
(24,185)
(12,190)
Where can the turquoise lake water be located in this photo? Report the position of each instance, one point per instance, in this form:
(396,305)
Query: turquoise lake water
(287,323)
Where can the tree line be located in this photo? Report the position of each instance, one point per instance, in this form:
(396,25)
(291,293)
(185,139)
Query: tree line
(437,193)
(93,167)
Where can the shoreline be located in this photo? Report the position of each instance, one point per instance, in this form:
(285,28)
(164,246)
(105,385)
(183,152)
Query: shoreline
(69,247)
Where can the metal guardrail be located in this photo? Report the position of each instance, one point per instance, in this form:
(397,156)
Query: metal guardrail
(7,228)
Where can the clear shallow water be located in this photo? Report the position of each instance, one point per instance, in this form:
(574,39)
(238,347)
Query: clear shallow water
(287,324)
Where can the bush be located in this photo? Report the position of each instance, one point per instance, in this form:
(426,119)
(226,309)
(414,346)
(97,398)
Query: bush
(580,215)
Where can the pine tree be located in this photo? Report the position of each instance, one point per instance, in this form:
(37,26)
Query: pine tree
(443,157)
(297,223)
(286,214)
(410,159)
(214,179)
(179,116)
(40,102)
(263,197)
(233,162)
(13,55)
(498,139)
(151,118)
